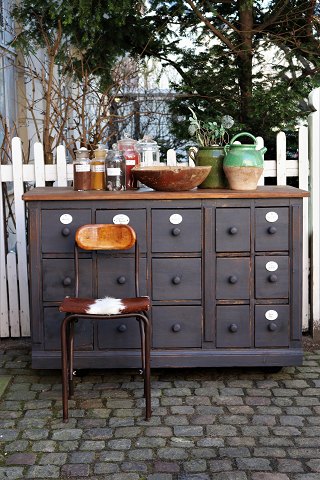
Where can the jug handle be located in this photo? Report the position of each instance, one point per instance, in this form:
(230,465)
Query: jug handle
(246,134)
(226,148)
(193,154)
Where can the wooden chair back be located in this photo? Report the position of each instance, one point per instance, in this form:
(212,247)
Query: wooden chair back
(105,237)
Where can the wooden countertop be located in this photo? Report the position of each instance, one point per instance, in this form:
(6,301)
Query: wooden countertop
(67,193)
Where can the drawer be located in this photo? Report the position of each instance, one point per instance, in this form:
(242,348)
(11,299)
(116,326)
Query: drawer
(233,326)
(58,236)
(233,278)
(52,319)
(233,229)
(58,279)
(116,276)
(176,279)
(272,229)
(135,218)
(118,334)
(176,326)
(272,325)
(272,277)
(176,230)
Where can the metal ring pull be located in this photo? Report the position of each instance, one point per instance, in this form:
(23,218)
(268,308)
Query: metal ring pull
(176,327)
(176,280)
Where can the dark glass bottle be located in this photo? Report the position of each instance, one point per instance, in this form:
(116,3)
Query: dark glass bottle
(115,170)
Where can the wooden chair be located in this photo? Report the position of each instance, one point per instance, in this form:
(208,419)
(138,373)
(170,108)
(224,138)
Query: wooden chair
(104,237)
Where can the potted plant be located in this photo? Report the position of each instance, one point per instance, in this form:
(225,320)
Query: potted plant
(211,137)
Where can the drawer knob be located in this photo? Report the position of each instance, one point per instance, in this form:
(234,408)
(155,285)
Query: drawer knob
(233,328)
(176,231)
(233,279)
(272,230)
(176,327)
(233,230)
(273,278)
(121,280)
(66,281)
(122,328)
(66,231)
(272,327)
(176,280)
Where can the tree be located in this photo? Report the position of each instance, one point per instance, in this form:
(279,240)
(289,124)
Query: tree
(222,60)
(81,73)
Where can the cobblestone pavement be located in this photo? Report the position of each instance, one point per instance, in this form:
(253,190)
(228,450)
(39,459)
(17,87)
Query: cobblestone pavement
(221,424)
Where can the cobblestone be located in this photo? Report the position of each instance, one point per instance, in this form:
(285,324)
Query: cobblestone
(207,424)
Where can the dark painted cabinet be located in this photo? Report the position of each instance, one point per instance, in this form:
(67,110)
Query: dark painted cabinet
(222,268)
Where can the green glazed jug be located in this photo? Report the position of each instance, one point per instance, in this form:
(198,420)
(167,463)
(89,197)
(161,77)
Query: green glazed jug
(243,163)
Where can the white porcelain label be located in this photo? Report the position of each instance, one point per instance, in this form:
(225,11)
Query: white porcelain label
(272,266)
(121,219)
(175,218)
(271,315)
(272,217)
(66,218)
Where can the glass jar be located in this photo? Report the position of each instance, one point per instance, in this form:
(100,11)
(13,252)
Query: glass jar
(149,151)
(132,157)
(81,170)
(98,169)
(115,170)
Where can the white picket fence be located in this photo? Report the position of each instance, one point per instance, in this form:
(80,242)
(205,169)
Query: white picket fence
(14,291)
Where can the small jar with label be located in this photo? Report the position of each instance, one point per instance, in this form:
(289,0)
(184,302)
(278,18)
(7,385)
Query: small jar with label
(115,170)
(98,169)
(132,157)
(81,170)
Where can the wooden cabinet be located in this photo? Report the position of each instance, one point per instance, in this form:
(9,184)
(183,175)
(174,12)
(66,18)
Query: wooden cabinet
(222,268)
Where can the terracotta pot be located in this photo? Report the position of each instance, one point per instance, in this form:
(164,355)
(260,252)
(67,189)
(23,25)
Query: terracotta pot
(212,156)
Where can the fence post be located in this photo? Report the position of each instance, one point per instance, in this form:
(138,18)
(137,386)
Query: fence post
(4,314)
(17,171)
(39,168)
(304,184)
(260,144)
(314,150)
(61,166)
(281,158)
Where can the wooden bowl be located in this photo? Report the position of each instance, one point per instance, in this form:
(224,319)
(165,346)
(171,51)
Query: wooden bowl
(171,179)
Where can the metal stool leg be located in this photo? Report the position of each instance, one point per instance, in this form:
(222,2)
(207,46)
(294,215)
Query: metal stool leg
(64,361)
(71,358)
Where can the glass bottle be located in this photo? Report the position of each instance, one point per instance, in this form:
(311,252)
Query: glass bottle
(149,151)
(81,170)
(132,157)
(115,170)
(98,169)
